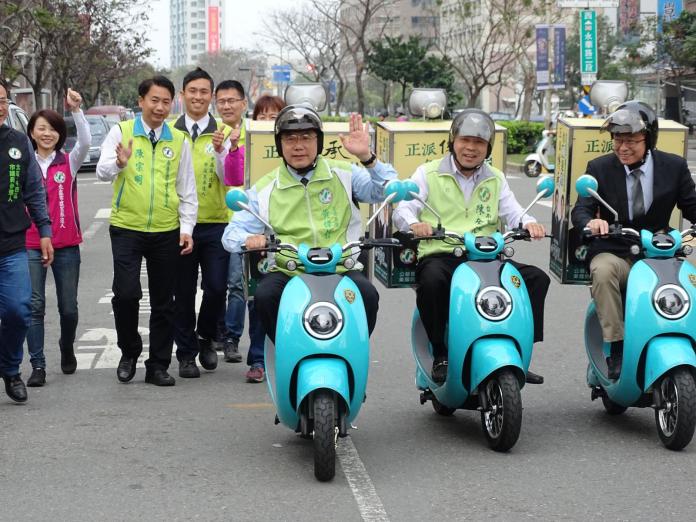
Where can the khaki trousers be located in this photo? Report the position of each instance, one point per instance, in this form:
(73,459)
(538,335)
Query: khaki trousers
(609,277)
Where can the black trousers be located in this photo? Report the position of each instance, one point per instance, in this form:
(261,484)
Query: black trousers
(161,252)
(213,260)
(433,278)
(270,290)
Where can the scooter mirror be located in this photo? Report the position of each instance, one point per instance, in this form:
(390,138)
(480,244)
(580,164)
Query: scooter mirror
(545,186)
(410,190)
(585,184)
(236,199)
(394,188)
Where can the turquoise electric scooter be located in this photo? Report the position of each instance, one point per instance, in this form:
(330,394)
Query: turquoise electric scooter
(490,331)
(659,358)
(317,370)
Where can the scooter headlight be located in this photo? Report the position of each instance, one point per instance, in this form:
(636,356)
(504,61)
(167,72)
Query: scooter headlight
(671,301)
(494,303)
(323,320)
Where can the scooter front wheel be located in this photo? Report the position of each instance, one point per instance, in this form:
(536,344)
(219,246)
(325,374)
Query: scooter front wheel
(532,168)
(441,409)
(501,414)
(676,416)
(611,407)
(325,435)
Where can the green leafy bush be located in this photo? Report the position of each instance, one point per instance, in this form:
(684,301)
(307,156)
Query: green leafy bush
(521,135)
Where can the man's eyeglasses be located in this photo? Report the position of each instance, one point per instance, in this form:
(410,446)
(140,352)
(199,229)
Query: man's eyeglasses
(303,139)
(4,101)
(625,141)
(224,102)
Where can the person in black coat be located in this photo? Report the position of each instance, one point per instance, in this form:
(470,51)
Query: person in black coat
(643,185)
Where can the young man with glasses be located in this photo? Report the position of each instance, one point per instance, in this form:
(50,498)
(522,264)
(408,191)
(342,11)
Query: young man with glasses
(643,185)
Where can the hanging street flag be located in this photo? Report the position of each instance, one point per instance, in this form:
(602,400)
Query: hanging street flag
(667,10)
(542,57)
(559,33)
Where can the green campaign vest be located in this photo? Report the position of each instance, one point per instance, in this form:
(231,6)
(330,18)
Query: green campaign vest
(319,214)
(145,197)
(479,215)
(211,191)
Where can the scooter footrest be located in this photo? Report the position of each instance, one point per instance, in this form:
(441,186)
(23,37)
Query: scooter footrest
(597,393)
(426,396)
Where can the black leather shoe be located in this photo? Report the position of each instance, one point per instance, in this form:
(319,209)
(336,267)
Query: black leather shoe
(206,354)
(188,369)
(159,378)
(68,363)
(15,389)
(37,378)
(533,378)
(232,354)
(126,369)
(439,371)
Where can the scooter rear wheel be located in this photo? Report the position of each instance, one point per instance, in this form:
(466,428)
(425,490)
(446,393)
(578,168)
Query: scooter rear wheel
(532,169)
(441,409)
(325,435)
(611,407)
(676,417)
(501,417)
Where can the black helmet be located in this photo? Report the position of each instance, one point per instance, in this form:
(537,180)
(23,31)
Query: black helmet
(296,118)
(631,117)
(475,123)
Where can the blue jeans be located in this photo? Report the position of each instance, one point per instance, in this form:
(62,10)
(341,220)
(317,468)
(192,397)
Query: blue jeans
(234,317)
(66,274)
(15,311)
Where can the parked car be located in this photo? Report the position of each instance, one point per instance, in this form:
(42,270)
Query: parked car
(113,113)
(99,127)
(17,118)
(501,116)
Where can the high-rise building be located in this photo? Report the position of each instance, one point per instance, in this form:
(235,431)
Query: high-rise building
(196,27)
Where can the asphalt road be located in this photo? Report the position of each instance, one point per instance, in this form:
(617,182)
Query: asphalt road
(86,447)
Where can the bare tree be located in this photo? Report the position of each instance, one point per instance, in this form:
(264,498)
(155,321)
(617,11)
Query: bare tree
(359,22)
(485,40)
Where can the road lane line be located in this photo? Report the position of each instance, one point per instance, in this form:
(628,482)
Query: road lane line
(92,230)
(103,213)
(369,503)
(545,203)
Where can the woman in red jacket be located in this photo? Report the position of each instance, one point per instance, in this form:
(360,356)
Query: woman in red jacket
(47,132)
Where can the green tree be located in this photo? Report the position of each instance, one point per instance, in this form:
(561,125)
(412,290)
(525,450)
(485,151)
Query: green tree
(408,63)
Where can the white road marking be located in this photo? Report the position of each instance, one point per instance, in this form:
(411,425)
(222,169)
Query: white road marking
(105,354)
(369,503)
(103,213)
(545,203)
(511,176)
(92,230)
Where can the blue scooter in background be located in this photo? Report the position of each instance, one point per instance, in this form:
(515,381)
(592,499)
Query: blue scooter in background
(659,362)
(490,331)
(317,370)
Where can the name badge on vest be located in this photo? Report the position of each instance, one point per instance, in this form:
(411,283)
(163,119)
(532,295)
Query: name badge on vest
(325,196)
(14,153)
(59,177)
(484,194)
(167,153)
(209,149)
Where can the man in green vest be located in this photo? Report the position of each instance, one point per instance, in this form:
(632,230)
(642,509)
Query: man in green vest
(208,154)
(470,196)
(309,199)
(153,212)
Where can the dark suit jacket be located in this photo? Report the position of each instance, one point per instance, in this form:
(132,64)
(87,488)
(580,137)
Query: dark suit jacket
(672,185)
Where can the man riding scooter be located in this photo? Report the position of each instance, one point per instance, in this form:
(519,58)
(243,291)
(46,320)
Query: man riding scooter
(470,196)
(643,184)
(309,199)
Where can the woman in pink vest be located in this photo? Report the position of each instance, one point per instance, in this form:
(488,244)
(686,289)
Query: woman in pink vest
(47,132)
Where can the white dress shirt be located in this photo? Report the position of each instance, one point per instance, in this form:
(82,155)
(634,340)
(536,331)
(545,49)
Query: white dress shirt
(107,170)
(79,152)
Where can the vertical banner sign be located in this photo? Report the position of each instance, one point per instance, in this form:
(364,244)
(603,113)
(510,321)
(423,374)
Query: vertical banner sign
(559,33)
(588,47)
(542,57)
(667,10)
(213,29)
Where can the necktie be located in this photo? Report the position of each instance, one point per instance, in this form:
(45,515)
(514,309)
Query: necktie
(195,130)
(304,181)
(153,138)
(638,205)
